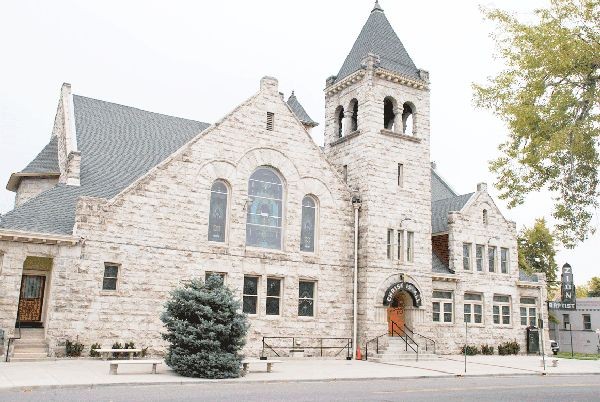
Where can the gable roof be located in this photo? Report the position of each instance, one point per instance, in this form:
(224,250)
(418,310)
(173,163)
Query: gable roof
(378,37)
(441,208)
(439,188)
(46,161)
(118,144)
(299,111)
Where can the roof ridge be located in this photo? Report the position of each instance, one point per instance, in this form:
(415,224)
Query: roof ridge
(141,110)
(456,196)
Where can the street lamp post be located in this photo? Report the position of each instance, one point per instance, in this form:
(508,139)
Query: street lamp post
(571,333)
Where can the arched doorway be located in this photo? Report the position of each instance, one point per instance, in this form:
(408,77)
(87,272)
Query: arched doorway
(395,315)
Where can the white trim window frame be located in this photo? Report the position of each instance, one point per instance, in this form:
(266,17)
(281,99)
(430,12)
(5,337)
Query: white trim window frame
(410,246)
(390,244)
(400,241)
(273,298)
(307,296)
(473,308)
(587,322)
(501,310)
(467,251)
(250,294)
(528,311)
(492,258)
(504,260)
(479,259)
(110,277)
(443,306)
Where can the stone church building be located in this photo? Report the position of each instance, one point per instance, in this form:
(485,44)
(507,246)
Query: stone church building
(355,239)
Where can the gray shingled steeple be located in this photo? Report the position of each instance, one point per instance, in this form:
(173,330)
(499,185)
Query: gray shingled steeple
(378,37)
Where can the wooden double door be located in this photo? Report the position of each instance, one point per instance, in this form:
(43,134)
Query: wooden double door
(31,300)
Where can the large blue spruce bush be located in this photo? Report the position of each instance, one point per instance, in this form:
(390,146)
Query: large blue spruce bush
(205,329)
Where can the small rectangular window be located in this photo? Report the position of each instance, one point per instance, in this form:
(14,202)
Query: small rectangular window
(479,252)
(306,299)
(501,309)
(566,321)
(111,273)
(390,243)
(270,120)
(492,259)
(410,246)
(400,175)
(273,296)
(345,173)
(504,260)
(528,311)
(443,306)
(587,322)
(400,241)
(466,256)
(250,295)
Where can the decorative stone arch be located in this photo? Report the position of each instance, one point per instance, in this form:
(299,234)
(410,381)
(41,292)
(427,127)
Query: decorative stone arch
(214,170)
(320,190)
(390,111)
(270,157)
(409,289)
(409,118)
(339,122)
(352,114)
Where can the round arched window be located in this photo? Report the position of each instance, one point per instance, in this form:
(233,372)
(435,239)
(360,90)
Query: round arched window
(265,209)
(307,231)
(217,219)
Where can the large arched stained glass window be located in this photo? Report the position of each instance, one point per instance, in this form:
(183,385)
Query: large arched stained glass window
(217,220)
(265,209)
(309,218)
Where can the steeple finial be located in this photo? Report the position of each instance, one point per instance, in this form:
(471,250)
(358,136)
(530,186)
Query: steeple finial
(377,7)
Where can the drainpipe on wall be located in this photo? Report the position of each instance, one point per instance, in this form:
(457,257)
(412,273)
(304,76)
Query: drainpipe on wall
(356,204)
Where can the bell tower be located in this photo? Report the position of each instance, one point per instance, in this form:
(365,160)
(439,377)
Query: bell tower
(377,135)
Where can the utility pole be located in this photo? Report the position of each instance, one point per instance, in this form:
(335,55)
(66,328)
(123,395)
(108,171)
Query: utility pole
(466,342)
(571,333)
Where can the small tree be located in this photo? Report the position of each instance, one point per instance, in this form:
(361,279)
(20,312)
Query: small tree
(205,330)
(537,252)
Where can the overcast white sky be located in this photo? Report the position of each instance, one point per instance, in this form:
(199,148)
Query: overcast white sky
(201,59)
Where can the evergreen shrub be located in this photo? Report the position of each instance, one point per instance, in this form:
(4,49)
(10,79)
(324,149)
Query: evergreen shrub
(487,350)
(73,349)
(205,330)
(471,350)
(509,348)
(92,352)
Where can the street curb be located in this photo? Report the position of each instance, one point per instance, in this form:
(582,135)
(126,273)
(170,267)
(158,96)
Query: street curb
(262,381)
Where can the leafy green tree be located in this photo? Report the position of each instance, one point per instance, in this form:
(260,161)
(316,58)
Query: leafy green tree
(549,96)
(205,330)
(594,287)
(581,290)
(537,252)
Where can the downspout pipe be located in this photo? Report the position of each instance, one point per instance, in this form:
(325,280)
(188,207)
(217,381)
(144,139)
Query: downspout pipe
(356,204)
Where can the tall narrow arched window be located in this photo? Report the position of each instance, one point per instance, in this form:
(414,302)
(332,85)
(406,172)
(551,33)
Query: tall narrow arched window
(354,109)
(339,121)
(265,209)
(389,113)
(485,217)
(309,221)
(408,119)
(217,219)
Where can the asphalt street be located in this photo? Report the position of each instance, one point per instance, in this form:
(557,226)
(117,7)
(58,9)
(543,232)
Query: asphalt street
(530,388)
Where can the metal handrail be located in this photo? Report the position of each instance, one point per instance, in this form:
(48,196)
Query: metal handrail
(18,326)
(347,345)
(406,338)
(427,339)
(376,339)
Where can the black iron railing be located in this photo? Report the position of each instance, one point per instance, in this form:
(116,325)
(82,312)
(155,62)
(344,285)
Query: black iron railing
(400,332)
(428,341)
(376,340)
(11,339)
(292,343)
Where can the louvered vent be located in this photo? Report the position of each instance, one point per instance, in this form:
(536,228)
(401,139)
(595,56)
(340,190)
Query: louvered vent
(270,120)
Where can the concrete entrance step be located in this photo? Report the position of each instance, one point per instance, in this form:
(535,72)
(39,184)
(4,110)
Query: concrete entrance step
(29,355)
(31,359)
(389,358)
(32,334)
(37,348)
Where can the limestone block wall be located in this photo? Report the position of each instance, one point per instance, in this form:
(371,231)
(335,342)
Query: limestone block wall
(372,155)
(467,226)
(157,231)
(30,187)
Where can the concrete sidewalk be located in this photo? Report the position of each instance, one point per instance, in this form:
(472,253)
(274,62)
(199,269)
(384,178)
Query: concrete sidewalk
(92,373)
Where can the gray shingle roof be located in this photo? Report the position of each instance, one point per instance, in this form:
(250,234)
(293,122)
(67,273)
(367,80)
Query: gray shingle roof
(118,145)
(46,161)
(378,37)
(441,208)
(438,265)
(525,277)
(299,111)
(439,188)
